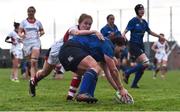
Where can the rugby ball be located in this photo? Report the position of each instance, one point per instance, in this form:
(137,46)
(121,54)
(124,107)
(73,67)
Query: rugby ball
(121,100)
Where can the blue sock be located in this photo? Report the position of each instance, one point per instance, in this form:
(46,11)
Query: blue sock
(134,69)
(93,84)
(137,77)
(87,81)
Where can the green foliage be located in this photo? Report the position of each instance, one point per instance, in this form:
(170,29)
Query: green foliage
(153,95)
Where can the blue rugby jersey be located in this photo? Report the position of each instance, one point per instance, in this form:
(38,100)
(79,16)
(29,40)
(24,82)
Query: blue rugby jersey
(106,30)
(137,29)
(97,48)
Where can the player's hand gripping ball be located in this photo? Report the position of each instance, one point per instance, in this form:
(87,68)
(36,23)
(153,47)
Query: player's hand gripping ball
(124,100)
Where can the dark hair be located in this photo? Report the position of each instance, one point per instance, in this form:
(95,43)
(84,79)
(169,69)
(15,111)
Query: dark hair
(138,7)
(161,34)
(109,16)
(119,41)
(84,16)
(16,25)
(31,7)
(161,39)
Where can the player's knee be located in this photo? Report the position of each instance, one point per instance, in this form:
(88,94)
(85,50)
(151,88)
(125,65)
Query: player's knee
(146,63)
(97,69)
(39,72)
(77,77)
(15,66)
(164,67)
(158,67)
(34,62)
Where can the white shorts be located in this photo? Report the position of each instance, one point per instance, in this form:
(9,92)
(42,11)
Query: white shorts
(17,53)
(27,48)
(53,54)
(59,69)
(161,56)
(53,60)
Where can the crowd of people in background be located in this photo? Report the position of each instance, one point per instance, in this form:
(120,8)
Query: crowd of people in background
(86,53)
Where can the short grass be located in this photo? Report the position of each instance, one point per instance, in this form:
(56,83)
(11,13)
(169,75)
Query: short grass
(153,95)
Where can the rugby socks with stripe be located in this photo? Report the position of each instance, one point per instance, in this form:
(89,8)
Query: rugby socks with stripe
(74,85)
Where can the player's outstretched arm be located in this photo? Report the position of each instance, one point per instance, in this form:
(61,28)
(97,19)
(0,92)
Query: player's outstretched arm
(108,76)
(114,74)
(122,93)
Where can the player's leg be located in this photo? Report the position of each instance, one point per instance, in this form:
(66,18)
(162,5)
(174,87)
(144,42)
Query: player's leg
(78,60)
(154,67)
(163,69)
(138,75)
(89,80)
(14,67)
(18,57)
(75,82)
(158,67)
(25,69)
(58,72)
(34,56)
(46,70)
(34,61)
(158,58)
(137,54)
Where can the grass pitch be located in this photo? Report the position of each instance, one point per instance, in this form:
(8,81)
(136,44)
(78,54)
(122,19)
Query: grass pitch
(153,95)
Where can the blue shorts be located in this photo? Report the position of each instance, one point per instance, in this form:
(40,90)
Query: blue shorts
(71,54)
(136,50)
